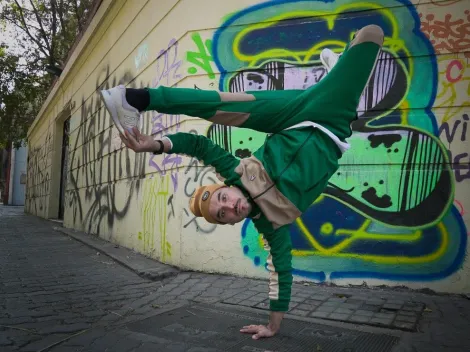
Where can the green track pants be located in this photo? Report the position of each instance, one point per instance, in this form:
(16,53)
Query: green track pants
(331,103)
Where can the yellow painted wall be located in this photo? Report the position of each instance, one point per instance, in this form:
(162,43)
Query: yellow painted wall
(141,201)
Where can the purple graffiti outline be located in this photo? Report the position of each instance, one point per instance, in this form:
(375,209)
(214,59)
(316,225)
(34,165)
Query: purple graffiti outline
(159,124)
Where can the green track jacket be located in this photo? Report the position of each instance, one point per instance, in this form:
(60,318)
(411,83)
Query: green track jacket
(283,178)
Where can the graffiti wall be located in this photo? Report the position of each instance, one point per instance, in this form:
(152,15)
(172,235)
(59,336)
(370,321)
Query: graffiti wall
(396,211)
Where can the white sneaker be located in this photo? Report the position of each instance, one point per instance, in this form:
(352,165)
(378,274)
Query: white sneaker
(125,117)
(328,59)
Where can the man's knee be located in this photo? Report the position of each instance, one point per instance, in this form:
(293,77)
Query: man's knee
(371,33)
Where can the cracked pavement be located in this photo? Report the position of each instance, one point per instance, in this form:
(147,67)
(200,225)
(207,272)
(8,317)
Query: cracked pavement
(58,294)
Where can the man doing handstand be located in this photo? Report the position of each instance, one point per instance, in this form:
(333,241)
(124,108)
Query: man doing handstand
(308,131)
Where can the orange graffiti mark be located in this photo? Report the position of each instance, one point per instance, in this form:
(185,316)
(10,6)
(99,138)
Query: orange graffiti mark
(449,35)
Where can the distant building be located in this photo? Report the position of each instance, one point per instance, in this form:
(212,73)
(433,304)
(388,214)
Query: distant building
(13,175)
(3,172)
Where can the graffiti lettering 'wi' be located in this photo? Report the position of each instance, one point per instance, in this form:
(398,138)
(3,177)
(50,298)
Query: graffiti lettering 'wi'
(457,131)
(201,58)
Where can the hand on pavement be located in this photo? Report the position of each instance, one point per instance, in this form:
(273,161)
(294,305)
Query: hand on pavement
(258,331)
(139,142)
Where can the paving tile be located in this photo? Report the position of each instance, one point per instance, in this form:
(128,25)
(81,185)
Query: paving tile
(359,318)
(350,305)
(232,300)
(344,310)
(391,306)
(365,313)
(339,316)
(384,315)
(375,302)
(342,295)
(292,305)
(317,314)
(307,306)
(313,302)
(359,298)
(331,304)
(403,325)
(301,294)
(381,321)
(263,305)
(294,298)
(249,303)
(246,294)
(406,318)
(415,307)
(355,301)
(319,297)
(323,308)
(395,301)
(336,299)
(370,308)
(408,313)
(302,313)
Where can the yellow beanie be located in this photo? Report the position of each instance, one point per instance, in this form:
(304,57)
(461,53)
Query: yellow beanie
(200,202)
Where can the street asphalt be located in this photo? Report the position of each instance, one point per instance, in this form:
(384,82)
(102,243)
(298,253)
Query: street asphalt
(62,290)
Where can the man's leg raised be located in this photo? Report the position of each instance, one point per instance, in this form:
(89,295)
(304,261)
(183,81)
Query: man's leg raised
(355,67)
(258,110)
(334,100)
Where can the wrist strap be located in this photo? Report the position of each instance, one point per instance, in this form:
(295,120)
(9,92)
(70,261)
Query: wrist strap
(162,147)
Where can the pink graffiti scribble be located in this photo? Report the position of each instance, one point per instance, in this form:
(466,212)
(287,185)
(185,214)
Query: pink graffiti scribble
(452,64)
(460,207)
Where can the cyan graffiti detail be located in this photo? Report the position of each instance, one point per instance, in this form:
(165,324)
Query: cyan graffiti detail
(388,211)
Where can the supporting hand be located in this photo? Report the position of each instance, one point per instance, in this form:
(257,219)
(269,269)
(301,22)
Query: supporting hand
(258,331)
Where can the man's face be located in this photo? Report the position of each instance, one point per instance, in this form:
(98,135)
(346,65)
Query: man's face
(229,205)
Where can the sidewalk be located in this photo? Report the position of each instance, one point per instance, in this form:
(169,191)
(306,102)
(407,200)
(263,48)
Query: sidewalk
(62,290)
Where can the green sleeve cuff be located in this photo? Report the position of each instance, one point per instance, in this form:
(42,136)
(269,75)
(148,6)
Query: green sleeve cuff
(279,305)
(175,144)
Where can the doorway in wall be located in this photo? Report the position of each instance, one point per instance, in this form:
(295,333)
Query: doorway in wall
(64,166)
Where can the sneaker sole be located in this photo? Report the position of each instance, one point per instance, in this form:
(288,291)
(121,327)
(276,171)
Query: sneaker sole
(108,102)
